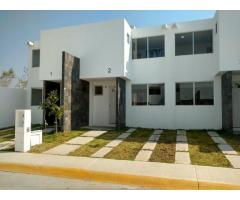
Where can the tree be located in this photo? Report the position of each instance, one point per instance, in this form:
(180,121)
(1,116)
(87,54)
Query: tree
(23,80)
(50,103)
(6,77)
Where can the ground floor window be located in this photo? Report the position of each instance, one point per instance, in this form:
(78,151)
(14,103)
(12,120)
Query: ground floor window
(36,97)
(194,93)
(139,94)
(156,94)
(204,93)
(148,94)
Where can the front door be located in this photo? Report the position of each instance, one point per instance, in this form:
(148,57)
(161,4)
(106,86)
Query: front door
(236,109)
(112,104)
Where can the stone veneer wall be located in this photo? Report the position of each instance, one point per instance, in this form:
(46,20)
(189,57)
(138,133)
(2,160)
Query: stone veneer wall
(75,94)
(227,113)
(120,103)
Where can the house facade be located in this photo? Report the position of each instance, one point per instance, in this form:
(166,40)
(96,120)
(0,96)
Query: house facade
(173,76)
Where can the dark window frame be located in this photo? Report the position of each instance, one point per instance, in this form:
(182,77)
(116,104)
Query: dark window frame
(162,92)
(96,92)
(202,102)
(193,102)
(193,42)
(35,55)
(33,101)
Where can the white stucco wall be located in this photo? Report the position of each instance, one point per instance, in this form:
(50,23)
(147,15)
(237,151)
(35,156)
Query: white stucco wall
(11,99)
(33,83)
(169,70)
(98,45)
(229,40)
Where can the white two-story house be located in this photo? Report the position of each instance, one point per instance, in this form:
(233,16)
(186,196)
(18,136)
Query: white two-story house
(172,76)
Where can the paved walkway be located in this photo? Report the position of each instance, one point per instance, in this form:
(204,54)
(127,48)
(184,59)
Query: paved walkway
(108,147)
(226,149)
(149,174)
(75,143)
(182,155)
(7,145)
(145,153)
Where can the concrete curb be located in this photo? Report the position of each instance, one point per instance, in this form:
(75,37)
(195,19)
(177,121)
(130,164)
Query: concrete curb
(120,178)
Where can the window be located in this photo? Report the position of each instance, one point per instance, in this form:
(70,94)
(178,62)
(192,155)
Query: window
(98,90)
(139,94)
(183,44)
(203,42)
(148,94)
(156,46)
(35,58)
(148,47)
(156,94)
(204,93)
(193,43)
(36,97)
(184,93)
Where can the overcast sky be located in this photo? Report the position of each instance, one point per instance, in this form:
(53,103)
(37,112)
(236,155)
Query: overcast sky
(18,27)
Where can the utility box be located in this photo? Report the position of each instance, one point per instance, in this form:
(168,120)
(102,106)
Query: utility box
(36,137)
(23,130)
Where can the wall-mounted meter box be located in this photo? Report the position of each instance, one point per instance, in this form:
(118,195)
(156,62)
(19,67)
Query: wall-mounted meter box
(22,130)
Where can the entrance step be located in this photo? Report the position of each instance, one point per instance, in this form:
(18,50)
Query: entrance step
(93,133)
(62,149)
(80,140)
(182,158)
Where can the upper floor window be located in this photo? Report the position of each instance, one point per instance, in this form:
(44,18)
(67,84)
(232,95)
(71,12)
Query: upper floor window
(148,47)
(36,58)
(193,43)
(156,46)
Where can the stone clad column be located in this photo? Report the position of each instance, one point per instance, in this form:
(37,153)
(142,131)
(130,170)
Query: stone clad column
(75,94)
(227,113)
(120,103)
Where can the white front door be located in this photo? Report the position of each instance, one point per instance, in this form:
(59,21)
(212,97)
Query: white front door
(112,104)
(236,108)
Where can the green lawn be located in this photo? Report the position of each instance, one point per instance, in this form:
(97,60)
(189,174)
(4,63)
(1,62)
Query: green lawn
(165,148)
(129,148)
(5,132)
(99,142)
(232,139)
(53,139)
(204,151)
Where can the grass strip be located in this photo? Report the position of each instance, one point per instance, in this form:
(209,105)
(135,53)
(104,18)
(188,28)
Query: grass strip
(129,148)
(204,151)
(165,148)
(96,144)
(53,139)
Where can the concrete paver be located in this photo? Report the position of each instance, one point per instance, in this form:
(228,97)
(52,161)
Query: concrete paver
(154,138)
(234,160)
(150,145)
(219,140)
(143,155)
(213,134)
(182,158)
(227,149)
(62,149)
(182,146)
(124,135)
(157,132)
(131,130)
(181,138)
(80,140)
(102,152)
(181,132)
(93,133)
(114,143)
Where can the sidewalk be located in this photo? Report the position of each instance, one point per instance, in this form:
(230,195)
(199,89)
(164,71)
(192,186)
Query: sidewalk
(137,173)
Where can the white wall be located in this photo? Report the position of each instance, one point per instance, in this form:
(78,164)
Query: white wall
(169,70)
(11,99)
(98,45)
(33,82)
(229,40)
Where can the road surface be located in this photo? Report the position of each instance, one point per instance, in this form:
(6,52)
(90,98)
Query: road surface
(12,180)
